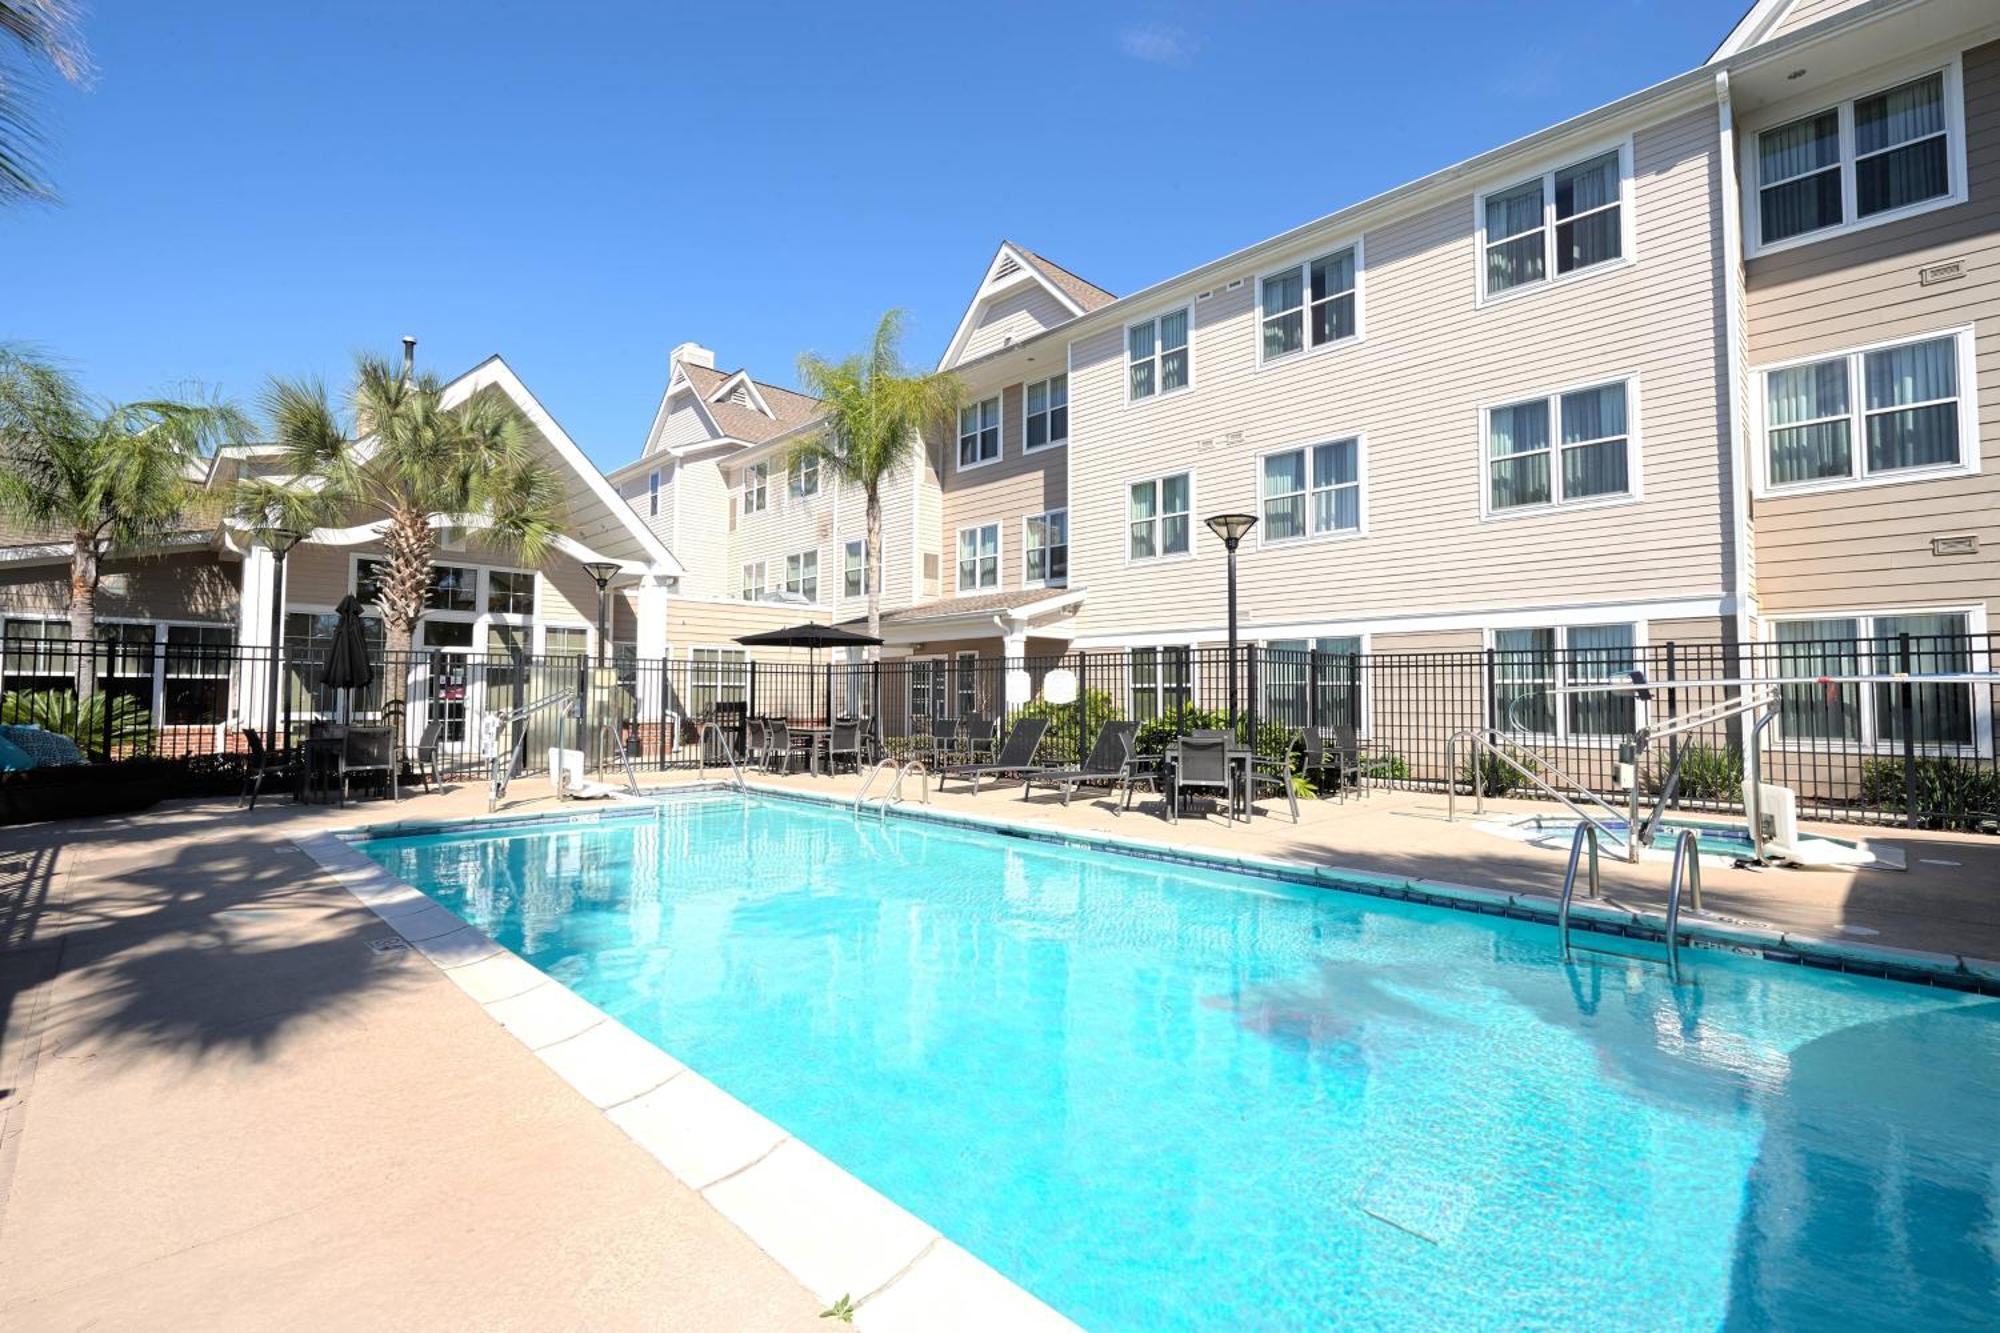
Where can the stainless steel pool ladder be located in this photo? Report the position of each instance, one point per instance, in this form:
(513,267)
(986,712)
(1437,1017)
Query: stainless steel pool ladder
(729,753)
(900,769)
(1686,874)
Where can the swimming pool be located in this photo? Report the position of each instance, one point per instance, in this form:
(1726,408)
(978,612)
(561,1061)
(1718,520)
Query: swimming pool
(1167,1096)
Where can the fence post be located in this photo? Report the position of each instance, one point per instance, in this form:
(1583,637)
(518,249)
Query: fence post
(750,693)
(1082,722)
(110,674)
(1250,681)
(1673,711)
(1906,702)
(1492,699)
(829,693)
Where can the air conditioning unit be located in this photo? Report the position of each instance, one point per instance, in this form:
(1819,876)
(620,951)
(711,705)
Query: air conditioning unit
(1778,811)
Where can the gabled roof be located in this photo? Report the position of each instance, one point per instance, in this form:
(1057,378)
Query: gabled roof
(786,410)
(1757,23)
(1011,266)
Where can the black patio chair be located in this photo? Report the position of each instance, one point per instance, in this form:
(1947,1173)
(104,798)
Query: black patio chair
(1263,772)
(1016,758)
(757,741)
(977,737)
(944,736)
(778,751)
(424,760)
(256,768)
(1200,762)
(1107,764)
(1332,759)
(844,740)
(369,752)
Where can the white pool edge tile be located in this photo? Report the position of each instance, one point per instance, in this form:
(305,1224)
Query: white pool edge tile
(849,1223)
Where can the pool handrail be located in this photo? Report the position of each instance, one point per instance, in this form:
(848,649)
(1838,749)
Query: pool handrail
(1586,835)
(1480,741)
(1687,872)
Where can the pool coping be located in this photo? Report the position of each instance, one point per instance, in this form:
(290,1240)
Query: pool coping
(839,1237)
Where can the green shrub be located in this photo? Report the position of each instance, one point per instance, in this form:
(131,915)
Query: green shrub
(1156,733)
(1059,743)
(1709,773)
(1951,794)
(1387,766)
(131,725)
(1495,776)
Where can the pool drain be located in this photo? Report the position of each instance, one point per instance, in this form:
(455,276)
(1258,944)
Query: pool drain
(389,944)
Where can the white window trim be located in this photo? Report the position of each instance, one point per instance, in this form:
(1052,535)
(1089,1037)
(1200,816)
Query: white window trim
(1027,448)
(1303,267)
(1857,411)
(1641,641)
(1881,80)
(786,573)
(1125,519)
(541,637)
(1366,729)
(653,493)
(1360,439)
(846,542)
(999,557)
(1982,697)
(794,473)
(1628,248)
(749,470)
(940,670)
(763,584)
(1188,646)
(1125,355)
(1634,473)
(1044,515)
(999,402)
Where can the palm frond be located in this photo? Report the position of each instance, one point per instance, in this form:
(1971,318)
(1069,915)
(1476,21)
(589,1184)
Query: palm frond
(45,32)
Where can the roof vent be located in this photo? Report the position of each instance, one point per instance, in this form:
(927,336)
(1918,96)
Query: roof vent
(1006,268)
(740,395)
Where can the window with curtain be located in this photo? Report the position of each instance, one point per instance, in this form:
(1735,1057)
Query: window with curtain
(1561,222)
(804,478)
(1901,403)
(1524,671)
(854,569)
(1942,716)
(718,675)
(1313,682)
(1600,653)
(802,575)
(979,432)
(1162,681)
(1530,666)
(1045,547)
(979,557)
(1308,306)
(1047,415)
(1156,354)
(1156,518)
(1568,448)
(756,487)
(1870,157)
(1310,492)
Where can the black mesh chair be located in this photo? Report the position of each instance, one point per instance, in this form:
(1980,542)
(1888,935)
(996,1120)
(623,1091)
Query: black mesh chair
(1200,762)
(756,748)
(424,763)
(844,741)
(369,752)
(976,738)
(778,752)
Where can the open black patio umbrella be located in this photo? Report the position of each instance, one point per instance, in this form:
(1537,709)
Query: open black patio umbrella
(347,666)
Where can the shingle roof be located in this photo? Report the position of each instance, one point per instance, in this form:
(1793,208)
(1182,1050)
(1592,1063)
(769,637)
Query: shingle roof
(1086,294)
(790,409)
(976,604)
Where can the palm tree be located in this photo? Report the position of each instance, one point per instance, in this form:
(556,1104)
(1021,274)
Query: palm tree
(876,412)
(407,461)
(102,477)
(44,31)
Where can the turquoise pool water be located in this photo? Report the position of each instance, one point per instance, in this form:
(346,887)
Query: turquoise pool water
(1164,1097)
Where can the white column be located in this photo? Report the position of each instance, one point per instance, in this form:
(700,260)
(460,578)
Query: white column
(651,643)
(253,631)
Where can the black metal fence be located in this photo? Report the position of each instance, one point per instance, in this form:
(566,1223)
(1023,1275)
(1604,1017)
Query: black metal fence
(1890,752)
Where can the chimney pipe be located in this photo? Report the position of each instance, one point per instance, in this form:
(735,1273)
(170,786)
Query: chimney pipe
(409,355)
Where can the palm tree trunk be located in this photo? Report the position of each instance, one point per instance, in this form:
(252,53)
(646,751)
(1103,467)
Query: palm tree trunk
(83,613)
(875,564)
(403,592)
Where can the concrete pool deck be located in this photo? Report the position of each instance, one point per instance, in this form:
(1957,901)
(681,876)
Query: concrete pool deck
(219,1106)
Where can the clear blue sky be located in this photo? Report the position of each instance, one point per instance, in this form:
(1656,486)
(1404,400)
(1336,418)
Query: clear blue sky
(256,187)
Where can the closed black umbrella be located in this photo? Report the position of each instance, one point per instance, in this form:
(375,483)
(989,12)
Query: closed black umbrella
(809,636)
(347,664)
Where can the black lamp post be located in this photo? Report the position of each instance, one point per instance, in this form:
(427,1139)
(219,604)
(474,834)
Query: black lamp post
(281,541)
(1232,528)
(602,571)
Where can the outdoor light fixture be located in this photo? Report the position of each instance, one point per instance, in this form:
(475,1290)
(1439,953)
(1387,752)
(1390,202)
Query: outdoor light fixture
(280,541)
(1232,528)
(602,571)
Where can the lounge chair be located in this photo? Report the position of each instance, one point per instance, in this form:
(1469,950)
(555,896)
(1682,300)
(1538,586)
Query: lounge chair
(1201,763)
(1016,759)
(1108,763)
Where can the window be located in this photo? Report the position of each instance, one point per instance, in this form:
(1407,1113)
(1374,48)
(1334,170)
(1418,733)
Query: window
(565,641)
(1156,355)
(1875,157)
(1868,415)
(1588,456)
(653,494)
(509,593)
(804,479)
(965,677)
(1047,419)
(1562,222)
(1162,682)
(720,675)
(453,587)
(1156,517)
(1940,715)
(1310,492)
(196,671)
(1310,305)
(927,687)
(854,582)
(753,580)
(1529,664)
(979,557)
(1314,682)
(979,432)
(802,575)
(1045,548)
(756,487)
